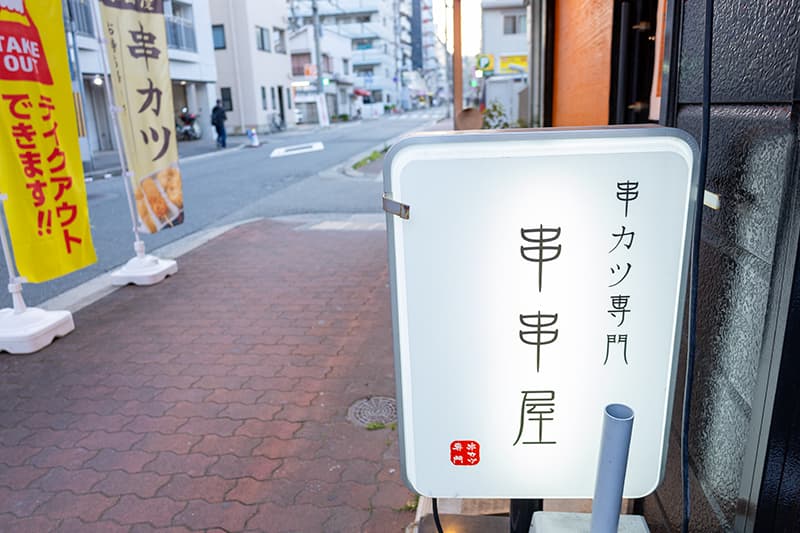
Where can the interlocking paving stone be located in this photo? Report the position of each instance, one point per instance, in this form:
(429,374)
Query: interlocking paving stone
(228,516)
(144,484)
(86,507)
(77,481)
(232,419)
(155,511)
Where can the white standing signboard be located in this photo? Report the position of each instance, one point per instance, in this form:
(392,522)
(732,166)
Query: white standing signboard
(539,277)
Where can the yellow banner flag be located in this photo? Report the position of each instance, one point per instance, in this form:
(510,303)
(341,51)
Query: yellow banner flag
(137,49)
(40,161)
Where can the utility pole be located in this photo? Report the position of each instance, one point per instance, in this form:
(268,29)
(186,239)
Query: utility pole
(315,12)
(458,77)
(396,10)
(448,72)
(322,104)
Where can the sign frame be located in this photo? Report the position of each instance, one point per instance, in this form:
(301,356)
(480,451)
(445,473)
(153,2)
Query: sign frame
(392,170)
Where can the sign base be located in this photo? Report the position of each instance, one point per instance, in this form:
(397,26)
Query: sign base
(32,329)
(144,270)
(544,522)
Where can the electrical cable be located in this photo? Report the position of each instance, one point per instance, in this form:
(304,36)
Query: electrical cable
(694,262)
(436,516)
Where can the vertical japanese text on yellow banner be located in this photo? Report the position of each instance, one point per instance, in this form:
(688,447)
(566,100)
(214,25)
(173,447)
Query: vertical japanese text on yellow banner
(41,170)
(139,64)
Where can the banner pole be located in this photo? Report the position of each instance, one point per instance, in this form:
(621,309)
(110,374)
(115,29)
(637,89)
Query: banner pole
(138,244)
(14,282)
(142,269)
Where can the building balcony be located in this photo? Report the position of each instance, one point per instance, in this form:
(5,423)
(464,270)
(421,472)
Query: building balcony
(374,55)
(180,34)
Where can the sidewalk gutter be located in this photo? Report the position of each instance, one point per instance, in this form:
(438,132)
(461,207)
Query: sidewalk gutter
(93,290)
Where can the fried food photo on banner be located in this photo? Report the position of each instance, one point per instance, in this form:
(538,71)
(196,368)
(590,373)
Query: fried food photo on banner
(159,198)
(170,180)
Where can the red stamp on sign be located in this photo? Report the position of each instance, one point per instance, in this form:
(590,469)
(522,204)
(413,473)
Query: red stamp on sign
(465,452)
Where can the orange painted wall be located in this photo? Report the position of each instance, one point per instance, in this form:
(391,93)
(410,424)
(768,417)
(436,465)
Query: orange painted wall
(582,62)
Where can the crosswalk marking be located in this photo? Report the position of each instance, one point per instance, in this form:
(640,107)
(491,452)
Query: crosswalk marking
(297,149)
(416,116)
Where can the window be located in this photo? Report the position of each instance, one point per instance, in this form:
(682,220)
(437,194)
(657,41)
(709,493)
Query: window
(274,101)
(279,40)
(514,24)
(288,98)
(262,39)
(218,33)
(263,98)
(363,18)
(327,63)
(82,13)
(363,71)
(345,67)
(179,21)
(362,44)
(299,62)
(227,99)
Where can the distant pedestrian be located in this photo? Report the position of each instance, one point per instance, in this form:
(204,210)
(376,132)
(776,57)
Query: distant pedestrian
(218,118)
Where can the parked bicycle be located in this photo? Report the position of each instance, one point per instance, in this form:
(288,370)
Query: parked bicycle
(276,122)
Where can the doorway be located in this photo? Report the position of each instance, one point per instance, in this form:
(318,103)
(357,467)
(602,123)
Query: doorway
(632,60)
(280,104)
(98,119)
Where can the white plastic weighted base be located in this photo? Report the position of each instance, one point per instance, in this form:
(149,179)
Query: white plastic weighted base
(32,329)
(553,522)
(144,270)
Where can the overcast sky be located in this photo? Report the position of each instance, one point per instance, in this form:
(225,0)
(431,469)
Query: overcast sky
(470,24)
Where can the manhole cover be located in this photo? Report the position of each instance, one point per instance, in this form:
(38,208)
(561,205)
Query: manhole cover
(375,410)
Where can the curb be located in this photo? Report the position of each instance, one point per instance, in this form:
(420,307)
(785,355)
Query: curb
(106,173)
(93,290)
(346,169)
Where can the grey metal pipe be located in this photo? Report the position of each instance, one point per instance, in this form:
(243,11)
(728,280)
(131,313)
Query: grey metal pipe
(611,468)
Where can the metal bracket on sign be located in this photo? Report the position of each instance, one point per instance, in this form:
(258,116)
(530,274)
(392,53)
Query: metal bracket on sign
(396,208)
(711,200)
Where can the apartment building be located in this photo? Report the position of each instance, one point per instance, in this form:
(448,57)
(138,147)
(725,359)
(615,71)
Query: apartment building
(253,63)
(338,82)
(504,32)
(428,51)
(380,35)
(191,61)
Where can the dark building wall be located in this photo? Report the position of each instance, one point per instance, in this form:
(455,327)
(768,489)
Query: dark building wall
(747,255)
(416,34)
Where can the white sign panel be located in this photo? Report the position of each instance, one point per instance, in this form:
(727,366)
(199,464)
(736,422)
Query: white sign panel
(538,279)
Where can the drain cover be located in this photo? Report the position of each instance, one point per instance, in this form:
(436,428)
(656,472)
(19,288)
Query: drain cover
(375,410)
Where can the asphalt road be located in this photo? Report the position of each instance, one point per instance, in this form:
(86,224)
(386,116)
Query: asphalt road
(235,185)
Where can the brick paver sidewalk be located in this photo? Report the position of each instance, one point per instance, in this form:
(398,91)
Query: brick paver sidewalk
(214,401)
